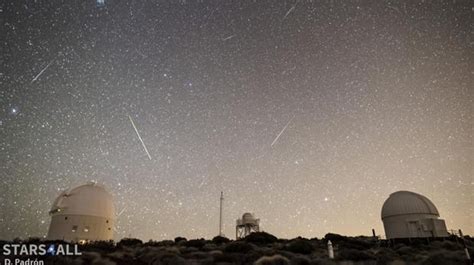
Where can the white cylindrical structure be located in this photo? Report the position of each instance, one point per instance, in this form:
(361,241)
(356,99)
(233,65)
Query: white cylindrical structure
(407,214)
(220,214)
(82,214)
(330,250)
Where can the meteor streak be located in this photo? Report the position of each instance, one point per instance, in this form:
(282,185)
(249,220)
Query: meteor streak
(121,212)
(229,37)
(289,11)
(284,128)
(139,137)
(40,73)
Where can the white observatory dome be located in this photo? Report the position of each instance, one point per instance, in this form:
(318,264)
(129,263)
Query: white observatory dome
(88,199)
(81,214)
(407,202)
(406,214)
(248,218)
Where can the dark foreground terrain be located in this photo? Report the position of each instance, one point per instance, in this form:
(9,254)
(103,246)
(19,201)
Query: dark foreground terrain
(263,248)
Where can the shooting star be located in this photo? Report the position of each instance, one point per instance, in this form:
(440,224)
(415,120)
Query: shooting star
(289,11)
(284,128)
(228,38)
(42,71)
(121,212)
(139,137)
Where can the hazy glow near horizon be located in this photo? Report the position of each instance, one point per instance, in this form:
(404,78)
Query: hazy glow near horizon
(308,114)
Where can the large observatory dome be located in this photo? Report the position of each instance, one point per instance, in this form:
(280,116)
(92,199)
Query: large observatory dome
(406,214)
(81,214)
(407,202)
(88,199)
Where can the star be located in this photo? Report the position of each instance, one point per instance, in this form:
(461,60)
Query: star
(14,111)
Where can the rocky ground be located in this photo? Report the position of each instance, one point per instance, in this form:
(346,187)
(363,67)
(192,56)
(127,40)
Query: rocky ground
(263,248)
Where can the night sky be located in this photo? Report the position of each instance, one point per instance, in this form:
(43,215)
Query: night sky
(306,113)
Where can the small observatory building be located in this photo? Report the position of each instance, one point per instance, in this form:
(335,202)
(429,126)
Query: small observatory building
(406,214)
(246,225)
(82,214)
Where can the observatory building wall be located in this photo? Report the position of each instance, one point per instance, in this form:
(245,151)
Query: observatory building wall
(75,228)
(417,225)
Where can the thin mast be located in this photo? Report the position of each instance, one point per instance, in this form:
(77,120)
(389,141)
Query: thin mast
(220,214)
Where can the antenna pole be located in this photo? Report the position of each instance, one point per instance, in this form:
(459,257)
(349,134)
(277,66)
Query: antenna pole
(220,214)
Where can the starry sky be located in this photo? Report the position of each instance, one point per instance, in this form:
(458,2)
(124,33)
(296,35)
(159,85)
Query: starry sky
(306,113)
